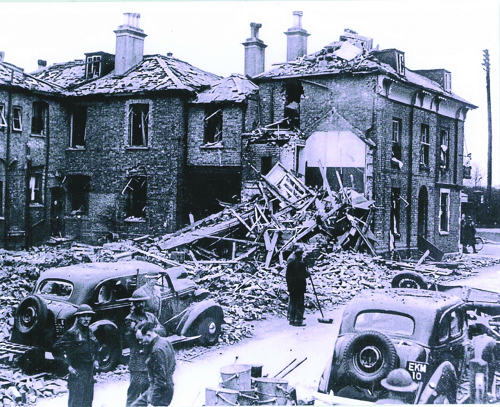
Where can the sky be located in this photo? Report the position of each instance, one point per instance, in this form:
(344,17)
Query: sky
(209,35)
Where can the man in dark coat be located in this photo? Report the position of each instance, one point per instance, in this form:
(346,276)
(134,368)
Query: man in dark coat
(296,275)
(77,350)
(161,366)
(139,382)
(469,231)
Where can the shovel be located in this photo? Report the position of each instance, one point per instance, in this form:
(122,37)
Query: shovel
(321,320)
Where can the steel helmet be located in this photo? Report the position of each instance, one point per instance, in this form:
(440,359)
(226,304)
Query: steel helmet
(139,295)
(84,309)
(399,380)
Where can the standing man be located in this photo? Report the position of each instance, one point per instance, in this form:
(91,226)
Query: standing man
(137,363)
(161,367)
(296,275)
(151,290)
(77,350)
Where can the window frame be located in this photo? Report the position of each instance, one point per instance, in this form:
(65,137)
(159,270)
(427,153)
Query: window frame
(91,63)
(18,119)
(395,213)
(447,81)
(213,125)
(425,145)
(145,123)
(36,188)
(73,144)
(3,121)
(401,63)
(78,193)
(2,194)
(444,192)
(135,196)
(444,154)
(38,118)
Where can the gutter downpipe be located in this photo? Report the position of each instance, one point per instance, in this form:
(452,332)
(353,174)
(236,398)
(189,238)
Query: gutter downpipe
(46,175)
(410,180)
(7,164)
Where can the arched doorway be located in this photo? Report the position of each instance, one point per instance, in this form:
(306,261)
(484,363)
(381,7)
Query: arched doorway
(423,212)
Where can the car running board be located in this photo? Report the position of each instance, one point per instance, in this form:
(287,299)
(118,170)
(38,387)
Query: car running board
(173,339)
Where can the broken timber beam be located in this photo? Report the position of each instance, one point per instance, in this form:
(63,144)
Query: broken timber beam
(155,256)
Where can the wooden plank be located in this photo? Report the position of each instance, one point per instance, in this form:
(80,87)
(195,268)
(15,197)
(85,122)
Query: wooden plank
(229,239)
(155,256)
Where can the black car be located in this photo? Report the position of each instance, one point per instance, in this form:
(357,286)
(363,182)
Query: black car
(424,332)
(41,318)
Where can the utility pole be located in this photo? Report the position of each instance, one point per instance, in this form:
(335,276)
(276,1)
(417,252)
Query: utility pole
(486,65)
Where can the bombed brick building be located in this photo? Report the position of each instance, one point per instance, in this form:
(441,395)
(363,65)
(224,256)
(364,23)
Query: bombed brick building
(136,144)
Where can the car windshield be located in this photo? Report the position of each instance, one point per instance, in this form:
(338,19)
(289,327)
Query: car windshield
(58,288)
(384,321)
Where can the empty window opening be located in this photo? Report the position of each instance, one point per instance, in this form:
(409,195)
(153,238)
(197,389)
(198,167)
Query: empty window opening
(78,126)
(444,154)
(93,66)
(139,124)
(266,164)
(36,188)
(395,212)
(444,211)
(294,92)
(78,192)
(213,125)
(401,63)
(17,119)
(38,118)
(447,81)
(424,145)
(3,122)
(396,143)
(135,193)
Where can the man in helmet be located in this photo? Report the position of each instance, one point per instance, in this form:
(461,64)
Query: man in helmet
(400,386)
(137,363)
(77,350)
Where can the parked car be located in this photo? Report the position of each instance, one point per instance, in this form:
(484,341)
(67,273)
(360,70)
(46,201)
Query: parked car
(41,318)
(424,332)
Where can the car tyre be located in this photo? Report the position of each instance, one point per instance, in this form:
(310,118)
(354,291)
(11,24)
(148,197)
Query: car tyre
(409,280)
(369,357)
(209,329)
(108,353)
(31,315)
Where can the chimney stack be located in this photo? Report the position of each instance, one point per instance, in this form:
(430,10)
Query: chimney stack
(296,38)
(2,56)
(129,43)
(41,64)
(254,52)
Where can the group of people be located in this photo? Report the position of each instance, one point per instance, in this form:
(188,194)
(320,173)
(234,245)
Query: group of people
(468,234)
(152,357)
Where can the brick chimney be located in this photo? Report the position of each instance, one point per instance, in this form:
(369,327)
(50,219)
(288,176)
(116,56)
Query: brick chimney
(296,44)
(254,52)
(42,64)
(129,43)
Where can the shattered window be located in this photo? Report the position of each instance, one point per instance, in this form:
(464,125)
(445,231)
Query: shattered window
(135,197)
(78,126)
(139,124)
(1,199)
(401,64)
(395,212)
(78,192)
(17,119)
(38,118)
(93,66)
(266,164)
(444,211)
(424,145)
(3,122)
(396,143)
(36,189)
(294,92)
(213,125)
(444,150)
(55,287)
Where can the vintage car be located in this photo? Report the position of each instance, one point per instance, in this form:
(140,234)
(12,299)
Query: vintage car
(41,318)
(424,332)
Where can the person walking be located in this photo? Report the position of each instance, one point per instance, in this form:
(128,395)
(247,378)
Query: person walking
(400,386)
(151,290)
(161,366)
(77,350)
(469,235)
(296,275)
(139,382)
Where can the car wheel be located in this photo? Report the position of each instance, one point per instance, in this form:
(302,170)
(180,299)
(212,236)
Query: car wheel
(108,352)
(409,280)
(209,329)
(31,315)
(369,357)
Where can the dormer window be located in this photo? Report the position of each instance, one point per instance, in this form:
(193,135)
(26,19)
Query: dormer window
(447,81)
(93,66)
(401,63)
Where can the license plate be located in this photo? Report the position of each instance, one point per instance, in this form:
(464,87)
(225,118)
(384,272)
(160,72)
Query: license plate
(417,370)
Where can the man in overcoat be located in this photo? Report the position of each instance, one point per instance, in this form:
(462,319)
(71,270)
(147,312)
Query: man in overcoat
(296,276)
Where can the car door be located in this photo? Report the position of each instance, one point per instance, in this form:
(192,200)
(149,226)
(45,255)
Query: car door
(452,338)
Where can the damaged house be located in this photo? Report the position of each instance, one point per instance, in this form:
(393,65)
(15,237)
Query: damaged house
(136,144)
